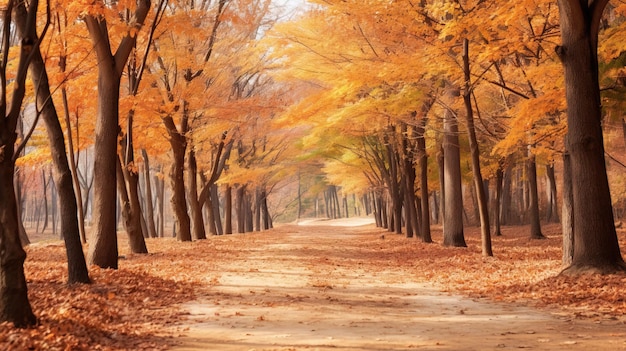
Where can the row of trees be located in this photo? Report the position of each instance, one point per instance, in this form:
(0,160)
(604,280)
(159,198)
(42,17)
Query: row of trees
(398,82)
(183,83)
(202,91)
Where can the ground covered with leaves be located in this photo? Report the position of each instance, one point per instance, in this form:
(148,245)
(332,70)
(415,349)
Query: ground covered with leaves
(138,307)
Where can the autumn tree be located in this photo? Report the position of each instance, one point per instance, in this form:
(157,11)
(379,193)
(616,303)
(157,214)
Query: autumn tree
(596,247)
(14,304)
(77,269)
(103,246)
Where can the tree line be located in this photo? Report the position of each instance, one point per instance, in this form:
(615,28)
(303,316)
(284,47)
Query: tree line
(225,102)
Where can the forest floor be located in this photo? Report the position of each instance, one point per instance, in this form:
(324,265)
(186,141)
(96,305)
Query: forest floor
(325,285)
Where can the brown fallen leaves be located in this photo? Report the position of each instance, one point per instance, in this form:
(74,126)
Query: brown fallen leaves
(125,309)
(138,306)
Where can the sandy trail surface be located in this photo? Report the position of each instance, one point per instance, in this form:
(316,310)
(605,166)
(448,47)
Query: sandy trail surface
(313,287)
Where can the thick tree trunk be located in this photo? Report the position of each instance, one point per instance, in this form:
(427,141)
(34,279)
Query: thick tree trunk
(77,268)
(14,304)
(453,201)
(103,246)
(179,202)
(103,250)
(596,246)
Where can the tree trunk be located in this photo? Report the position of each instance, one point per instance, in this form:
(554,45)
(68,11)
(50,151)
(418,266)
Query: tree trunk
(442,188)
(77,268)
(215,204)
(179,202)
(194,205)
(553,214)
(424,193)
(240,209)
(103,243)
(149,208)
(14,304)
(453,201)
(130,212)
(535,220)
(567,214)
(228,210)
(483,203)
(506,203)
(596,246)
(497,210)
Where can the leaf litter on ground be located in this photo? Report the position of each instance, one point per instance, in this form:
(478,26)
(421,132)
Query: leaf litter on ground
(138,307)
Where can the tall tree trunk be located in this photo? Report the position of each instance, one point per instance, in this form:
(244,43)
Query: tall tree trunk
(228,210)
(77,268)
(535,220)
(553,214)
(442,187)
(424,193)
(179,201)
(408,176)
(567,214)
(194,205)
(103,250)
(497,210)
(159,185)
(453,201)
(215,204)
(265,212)
(483,203)
(14,304)
(240,209)
(131,219)
(596,246)
(149,208)
(103,247)
(506,203)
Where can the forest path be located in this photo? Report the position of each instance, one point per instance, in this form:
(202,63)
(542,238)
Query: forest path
(324,287)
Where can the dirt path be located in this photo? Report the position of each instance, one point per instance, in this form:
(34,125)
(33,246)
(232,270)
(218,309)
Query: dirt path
(313,287)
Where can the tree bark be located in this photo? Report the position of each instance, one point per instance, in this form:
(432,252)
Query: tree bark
(535,219)
(498,200)
(103,246)
(228,210)
(14,304)
(483,203)
(453,201)
(596,246)
(198,231)
(149,208)
(553,214)
(424,194)
(130,212)
(567,214)
(179,202)
(77,267)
